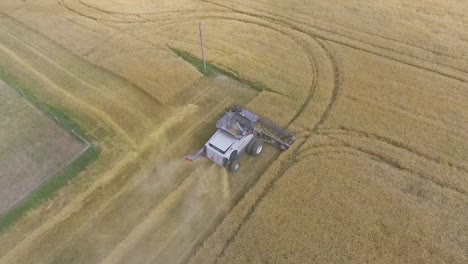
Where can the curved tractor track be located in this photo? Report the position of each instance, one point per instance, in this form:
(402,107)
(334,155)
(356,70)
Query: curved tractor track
(298,37)
(305,14)
(77,236)
(156,233)
(298,25)
(213,14)
(356,43)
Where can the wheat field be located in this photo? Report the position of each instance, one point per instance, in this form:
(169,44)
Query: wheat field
(376,93)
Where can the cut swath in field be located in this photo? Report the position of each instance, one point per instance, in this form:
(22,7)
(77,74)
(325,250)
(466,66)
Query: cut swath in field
(375,93)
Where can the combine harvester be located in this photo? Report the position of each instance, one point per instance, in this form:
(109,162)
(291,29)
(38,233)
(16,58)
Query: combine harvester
(240,131)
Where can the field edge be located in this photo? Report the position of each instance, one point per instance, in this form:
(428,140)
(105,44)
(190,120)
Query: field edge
(49,188)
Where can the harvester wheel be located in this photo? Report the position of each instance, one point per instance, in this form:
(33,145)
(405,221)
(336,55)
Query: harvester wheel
(234,166)
(249,146)
(257,148)
(233,155)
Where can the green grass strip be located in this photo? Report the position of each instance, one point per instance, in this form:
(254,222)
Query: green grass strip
(210,71)
(213,70)
(47,190)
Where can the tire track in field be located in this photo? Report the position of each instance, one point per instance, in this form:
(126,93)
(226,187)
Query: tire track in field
(460,78)
(390,58)
(203,14)
(12,255)
(359,133)
(308,51)
(288,164)
(283,31)
(369,34)
(51,85)
(176,18)
(443,125)
(113,12)
(80,104)
(343,146)
(99,14)
(139,95)
(338,81)
(273,18)
(138,235)
(301,42)
(90,86)
(43,52)
(332,38)
(113,176)
(284,19)
(53,42)
(309,97)
(322,119)
(391,162)
(121,183)
(152,218)
(311,91)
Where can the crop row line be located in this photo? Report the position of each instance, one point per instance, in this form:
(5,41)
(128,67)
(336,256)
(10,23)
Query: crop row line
(277,18)
(395,164)
(358,133)
(391,107)
(350,29)
(288,164)
(332,37)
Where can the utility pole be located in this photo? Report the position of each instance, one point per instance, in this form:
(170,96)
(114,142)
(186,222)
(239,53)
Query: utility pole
(200,28)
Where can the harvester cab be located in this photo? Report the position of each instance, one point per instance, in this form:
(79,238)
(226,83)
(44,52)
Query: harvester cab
(241,131)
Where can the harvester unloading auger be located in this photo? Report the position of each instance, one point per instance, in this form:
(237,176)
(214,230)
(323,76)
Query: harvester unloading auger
(241,131)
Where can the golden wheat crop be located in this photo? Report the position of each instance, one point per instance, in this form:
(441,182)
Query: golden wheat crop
(375,93)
